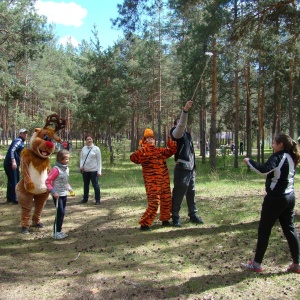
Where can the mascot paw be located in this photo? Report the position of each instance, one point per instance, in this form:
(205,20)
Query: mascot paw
(171,143)
(29,186)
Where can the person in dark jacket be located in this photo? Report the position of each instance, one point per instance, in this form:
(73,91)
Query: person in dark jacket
(185,169)
(12,164)
(279,201)
(241,148)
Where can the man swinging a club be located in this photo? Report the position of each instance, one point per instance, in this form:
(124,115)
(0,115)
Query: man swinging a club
(185,169)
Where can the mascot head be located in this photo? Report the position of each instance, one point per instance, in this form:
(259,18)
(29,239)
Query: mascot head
(148,133)
(42,141)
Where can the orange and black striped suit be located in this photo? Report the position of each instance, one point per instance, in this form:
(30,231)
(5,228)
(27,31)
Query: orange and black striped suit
(157,180)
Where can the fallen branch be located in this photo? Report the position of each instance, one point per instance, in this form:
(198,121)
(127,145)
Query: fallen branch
(74,258)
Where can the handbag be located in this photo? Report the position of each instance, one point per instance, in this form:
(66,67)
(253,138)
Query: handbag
(81,171)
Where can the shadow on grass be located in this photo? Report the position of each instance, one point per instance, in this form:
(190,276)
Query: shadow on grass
(107,251)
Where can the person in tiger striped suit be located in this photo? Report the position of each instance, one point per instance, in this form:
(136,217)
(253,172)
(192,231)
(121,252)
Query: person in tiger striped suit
(156,178)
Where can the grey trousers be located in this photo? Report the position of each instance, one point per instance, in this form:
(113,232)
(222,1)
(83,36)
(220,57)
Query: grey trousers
(184,185)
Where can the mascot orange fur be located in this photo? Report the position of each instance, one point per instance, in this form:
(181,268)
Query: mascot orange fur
(156,178)
(35,166)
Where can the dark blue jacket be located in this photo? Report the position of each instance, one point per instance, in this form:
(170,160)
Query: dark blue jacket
(14,151)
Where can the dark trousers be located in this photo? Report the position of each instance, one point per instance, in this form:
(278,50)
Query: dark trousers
(281,208)
(60,213)
(87,178)
(13,177)
(184,185)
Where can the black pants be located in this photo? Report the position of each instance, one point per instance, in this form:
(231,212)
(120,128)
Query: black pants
(13,177)
(184,185)
(87,177)
(60,214)
(282,208)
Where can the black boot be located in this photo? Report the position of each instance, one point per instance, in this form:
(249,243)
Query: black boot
(176,222)
(165,223)
(145,228)
(195,219)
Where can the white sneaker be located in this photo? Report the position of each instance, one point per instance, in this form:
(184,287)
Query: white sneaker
(60,236)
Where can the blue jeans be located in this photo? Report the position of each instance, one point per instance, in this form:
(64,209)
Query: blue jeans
(87,178)
(184,185)
(279,207)
(60,214)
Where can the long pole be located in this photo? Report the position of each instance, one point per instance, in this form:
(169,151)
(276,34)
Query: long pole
(55,221)
(197,86)
(159,77)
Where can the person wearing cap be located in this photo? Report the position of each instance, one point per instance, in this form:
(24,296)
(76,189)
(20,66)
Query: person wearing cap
(12,163)
(156,178)
(185,169)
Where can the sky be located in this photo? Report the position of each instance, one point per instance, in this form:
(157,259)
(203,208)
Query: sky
(73,20)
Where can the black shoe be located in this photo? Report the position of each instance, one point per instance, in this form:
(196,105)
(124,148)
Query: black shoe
(97,203)
(165,223)
(176,222)
(38,225)
(196,220)
(25,230)
(145,228)
(83,201)
(14,202)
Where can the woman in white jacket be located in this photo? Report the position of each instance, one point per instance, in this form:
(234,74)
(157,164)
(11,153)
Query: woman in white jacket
(90,167)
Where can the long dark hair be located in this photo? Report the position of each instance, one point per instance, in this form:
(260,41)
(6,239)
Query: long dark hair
(289,146)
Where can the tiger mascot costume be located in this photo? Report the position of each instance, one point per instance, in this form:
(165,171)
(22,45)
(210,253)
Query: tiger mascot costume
(156,178)
(35,166)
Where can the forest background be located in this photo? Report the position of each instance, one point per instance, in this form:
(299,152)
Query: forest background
(238,60)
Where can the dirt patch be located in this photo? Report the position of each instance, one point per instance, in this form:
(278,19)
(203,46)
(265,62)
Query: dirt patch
(106,256)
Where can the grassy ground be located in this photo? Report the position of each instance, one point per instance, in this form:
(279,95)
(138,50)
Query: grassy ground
(106,256)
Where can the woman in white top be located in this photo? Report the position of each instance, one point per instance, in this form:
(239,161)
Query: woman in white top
(90,167)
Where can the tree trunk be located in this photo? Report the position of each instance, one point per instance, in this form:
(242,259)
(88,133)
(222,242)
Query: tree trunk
(237,117)
(203,136)
(259,116)
(248,112)
(213,126)
(133,137)
(277,106)
(110,147)
(291,97)
(262,125)
(298,107)
(159,81)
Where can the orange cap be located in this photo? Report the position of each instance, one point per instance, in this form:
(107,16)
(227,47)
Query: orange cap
(148,133)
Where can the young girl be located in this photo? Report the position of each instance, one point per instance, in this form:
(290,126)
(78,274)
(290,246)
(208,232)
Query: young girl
(279,201)
(57,184)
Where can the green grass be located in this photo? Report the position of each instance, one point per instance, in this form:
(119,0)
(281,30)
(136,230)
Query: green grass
(106,256)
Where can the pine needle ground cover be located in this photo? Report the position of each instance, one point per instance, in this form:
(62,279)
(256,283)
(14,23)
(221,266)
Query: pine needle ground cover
(106,256)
